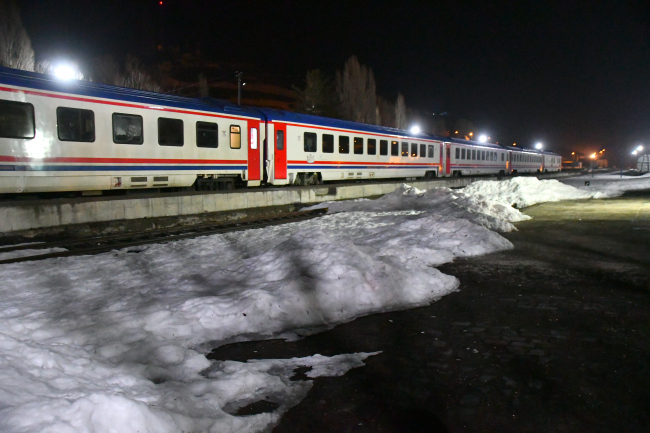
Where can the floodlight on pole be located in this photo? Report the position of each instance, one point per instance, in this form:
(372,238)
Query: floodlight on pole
(415,129)
(539,146)
(482,138)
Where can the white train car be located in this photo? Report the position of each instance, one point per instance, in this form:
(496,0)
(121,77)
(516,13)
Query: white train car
(524,160)
(80,136)
(552,162)
(643,164)
(471,158)
(308,149)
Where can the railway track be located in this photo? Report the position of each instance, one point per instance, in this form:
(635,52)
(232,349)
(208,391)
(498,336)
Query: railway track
(101,244)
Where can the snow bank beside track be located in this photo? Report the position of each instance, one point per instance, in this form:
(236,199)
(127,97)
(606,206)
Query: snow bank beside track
(117,341)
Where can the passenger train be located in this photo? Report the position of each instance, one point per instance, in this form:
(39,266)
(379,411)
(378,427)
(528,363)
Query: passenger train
(81,136)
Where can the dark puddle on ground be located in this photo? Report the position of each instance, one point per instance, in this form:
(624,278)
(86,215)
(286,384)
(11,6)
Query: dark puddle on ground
(637,193)
(281,349)
(256,408)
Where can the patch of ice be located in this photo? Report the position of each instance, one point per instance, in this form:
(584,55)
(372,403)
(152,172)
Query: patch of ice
(28,253)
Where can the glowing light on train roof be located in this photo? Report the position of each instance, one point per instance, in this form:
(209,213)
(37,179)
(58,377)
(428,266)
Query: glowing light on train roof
(64,72)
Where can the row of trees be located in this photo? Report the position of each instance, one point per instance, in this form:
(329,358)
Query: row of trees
(352,95)
(16,52)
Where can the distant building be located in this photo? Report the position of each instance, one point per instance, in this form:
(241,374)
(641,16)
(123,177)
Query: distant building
(600,163)
(571,165)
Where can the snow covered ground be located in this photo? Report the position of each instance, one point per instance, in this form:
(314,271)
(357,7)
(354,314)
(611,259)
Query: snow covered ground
(116,342)
(609,184)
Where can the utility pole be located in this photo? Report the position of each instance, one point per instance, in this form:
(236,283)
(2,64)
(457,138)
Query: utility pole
(238,75)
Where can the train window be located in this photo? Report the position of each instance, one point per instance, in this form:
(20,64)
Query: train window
(423,151)
(432,151)
(473,154)
(502,157)
(344,144)
(311,142)
(16,119)
(328,143)
(462,154)
(127,129)
(207,134)
(358,146)
(383,147)
(279,140)
(458,153)
(405,149)
(170,132)
(414,149)
(483,155)
(394,148)
(74,124)
(372,146)
(235,137)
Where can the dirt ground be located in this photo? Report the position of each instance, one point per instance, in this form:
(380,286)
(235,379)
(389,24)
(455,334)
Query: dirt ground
(550,336)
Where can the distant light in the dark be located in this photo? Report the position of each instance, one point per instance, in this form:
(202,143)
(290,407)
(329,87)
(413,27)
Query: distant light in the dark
(482,138)
(415,129)
(539,146)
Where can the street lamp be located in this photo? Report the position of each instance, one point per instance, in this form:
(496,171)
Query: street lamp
(482,138)
(415,129)
(539,146)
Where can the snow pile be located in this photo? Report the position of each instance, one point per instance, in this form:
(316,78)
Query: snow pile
(609,184)
(117,341)
(522,192)
(489,203)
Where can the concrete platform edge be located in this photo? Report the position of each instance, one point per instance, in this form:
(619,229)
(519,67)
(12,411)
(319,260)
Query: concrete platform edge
(20,217)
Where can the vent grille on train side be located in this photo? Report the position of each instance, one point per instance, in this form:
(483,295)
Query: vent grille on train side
(139,179)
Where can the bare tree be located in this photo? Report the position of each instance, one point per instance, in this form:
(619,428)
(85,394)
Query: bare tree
(357,91)
(386,111)
(15,46)
(107,70)
(400,112)
(137,77)
(318,96)
(204,90)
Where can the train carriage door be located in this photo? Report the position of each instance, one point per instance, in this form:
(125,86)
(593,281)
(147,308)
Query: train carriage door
(448,158)
(254,162)
(280,160)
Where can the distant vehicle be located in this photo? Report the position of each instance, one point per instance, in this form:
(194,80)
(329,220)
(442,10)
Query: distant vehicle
(80,136)
(643,164)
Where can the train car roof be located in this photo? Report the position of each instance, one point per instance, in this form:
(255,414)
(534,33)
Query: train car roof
(44,82)
(521,149)
(308,119)
(474,143)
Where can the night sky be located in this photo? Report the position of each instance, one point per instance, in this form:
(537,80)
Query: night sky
(574,75)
